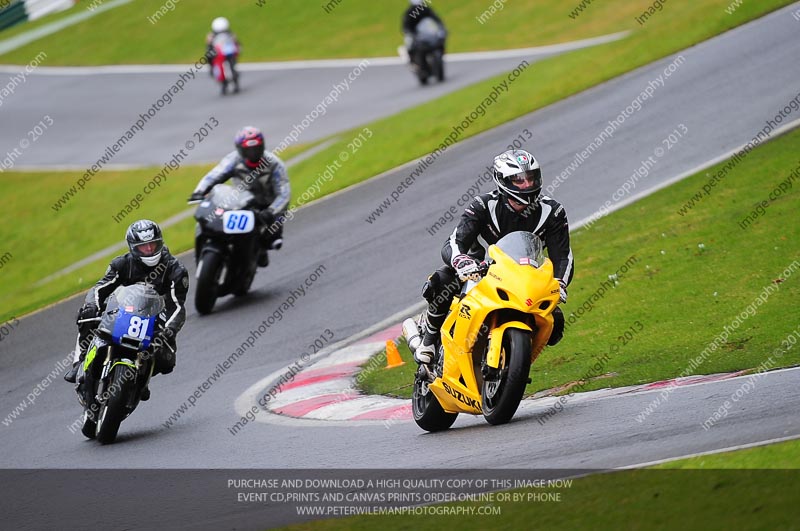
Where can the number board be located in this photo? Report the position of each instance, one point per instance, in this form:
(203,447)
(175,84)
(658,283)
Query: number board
(238,222)
(134,326)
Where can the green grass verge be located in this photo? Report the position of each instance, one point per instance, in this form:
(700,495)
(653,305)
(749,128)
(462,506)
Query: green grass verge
(395,140)
(737,494)
(681,294)
(45,242)
(779,456)
(303,30)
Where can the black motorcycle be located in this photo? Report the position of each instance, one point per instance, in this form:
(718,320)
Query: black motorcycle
(119,362)
(427,59)
(226,244)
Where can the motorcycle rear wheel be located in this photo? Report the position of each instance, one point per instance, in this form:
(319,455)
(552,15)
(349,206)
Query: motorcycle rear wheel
(208,282)
(500,396)
(428,413)
(114,411)
(438,66)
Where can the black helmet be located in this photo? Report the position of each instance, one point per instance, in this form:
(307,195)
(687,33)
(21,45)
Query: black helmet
(145,241)
(512,169)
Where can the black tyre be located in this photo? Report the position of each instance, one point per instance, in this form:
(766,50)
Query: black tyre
(428,413)
(243,284)
(115,408)
(244,279)
(89,429)
(438,66)
(502,392)
(208,282)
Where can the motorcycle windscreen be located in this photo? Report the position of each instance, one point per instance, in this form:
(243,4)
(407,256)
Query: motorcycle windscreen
(231,197)
(525,248)
(428,32)
(131,315)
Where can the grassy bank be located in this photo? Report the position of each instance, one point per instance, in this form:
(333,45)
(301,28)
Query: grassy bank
(746,489)
(304,30)
(395,140)
(692,275)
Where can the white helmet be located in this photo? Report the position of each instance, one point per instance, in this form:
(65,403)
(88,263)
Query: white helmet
(416,2)
(518,164)
(220,24)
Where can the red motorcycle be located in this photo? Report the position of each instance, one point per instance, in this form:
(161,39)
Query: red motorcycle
(223,61)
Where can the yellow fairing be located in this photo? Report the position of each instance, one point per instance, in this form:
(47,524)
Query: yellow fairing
(496,341)
(508,296)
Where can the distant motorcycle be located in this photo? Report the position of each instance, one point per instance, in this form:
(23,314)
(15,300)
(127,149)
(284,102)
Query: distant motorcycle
(119,363)
(223,61)
(495,329)
(427,59)
(226,244)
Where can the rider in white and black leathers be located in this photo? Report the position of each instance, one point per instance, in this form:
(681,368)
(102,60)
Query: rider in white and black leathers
(516,205)
(150,261)
(266,178)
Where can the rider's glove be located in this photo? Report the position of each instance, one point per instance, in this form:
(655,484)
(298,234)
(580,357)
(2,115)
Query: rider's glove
(464,266)
(562,296)
(197,196)
(408,41)
(266,217)
(88,311)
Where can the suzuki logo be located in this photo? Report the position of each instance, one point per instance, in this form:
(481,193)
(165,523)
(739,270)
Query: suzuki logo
(458,395)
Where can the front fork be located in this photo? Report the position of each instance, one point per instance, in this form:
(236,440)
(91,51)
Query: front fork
(86,389)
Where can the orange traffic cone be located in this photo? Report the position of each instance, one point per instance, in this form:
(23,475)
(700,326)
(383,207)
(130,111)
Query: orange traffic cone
(393,358)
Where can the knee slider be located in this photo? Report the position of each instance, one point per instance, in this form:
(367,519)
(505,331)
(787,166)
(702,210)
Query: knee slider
(558,327)
(431,287)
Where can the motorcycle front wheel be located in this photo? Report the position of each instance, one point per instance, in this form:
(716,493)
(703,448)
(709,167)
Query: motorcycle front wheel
(208,282)
(114,410)
(502,391)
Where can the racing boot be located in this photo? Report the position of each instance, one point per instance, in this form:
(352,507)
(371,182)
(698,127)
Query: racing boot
(77,359)
(263,258)
(424,353)
(72,374)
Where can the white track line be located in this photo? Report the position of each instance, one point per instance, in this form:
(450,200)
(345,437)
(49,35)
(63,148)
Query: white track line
(711,452)
(321,63)
(697,169)
(48,29)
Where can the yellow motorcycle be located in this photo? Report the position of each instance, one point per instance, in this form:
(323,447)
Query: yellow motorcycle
(495,329)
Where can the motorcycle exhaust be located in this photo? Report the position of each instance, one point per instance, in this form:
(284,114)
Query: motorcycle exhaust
(411,333)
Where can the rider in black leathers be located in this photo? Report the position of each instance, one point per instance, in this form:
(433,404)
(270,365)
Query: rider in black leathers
(416,12)
(516,205)
(151,262)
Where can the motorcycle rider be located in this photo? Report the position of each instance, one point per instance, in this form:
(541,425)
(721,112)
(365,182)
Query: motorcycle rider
(515,205)
(150,261)
(266,178)
(221,35)
(416,12)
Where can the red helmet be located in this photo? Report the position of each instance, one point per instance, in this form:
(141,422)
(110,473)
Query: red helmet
(250,145)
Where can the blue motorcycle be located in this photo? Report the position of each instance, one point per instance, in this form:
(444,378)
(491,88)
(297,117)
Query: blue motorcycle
(119,362)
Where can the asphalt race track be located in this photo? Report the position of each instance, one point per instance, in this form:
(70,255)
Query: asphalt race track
(723,92)
(271,99)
